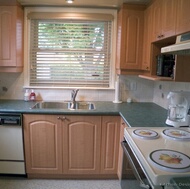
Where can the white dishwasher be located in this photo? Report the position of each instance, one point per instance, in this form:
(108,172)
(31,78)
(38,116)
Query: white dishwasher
(11,144)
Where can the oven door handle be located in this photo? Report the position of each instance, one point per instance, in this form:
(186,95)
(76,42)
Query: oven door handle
(135,171)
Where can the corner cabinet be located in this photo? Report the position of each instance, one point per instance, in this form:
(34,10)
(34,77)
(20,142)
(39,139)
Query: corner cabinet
(71,146)
(164,19)
(11,38)
(146,63)
(183,16)
(130,39)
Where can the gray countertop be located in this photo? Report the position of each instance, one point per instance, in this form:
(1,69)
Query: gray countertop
(135,114)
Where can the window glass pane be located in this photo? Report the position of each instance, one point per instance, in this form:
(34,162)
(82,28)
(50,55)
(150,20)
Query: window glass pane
(70,53)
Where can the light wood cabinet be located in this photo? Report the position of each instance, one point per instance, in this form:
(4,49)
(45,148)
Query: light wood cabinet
(169,15)
(130,38)
(11,39)
(74,146)
(183,16)
(146,63)
(81,146)
(43,144)
(164,19)
(174,20)
(110,144)
(157,22)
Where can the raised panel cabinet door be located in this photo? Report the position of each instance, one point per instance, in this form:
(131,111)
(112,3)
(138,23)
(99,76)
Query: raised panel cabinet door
(130,38)
(43,141)
(157,20)
(169,12)
(183,16)
(7,36)
(110,144)
(146,64)
(11,38)
(81,139)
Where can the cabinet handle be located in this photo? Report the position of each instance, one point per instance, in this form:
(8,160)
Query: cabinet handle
(62,118)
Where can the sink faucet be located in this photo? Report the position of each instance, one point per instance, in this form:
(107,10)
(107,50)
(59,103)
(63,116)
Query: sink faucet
(73,97)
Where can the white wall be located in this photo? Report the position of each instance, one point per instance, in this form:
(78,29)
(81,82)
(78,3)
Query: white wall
(140,90)
(161,90)
(130,87)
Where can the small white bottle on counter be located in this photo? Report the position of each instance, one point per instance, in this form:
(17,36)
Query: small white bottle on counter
(27,95)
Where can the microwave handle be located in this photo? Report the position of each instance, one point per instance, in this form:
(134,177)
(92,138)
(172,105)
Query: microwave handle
(135,171)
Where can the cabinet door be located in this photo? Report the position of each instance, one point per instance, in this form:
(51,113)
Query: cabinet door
(42,141)
(147,39)
(7,36)
(11,38)
(81,144)
(169,12)
(157,20)
(130,38)
(183,16)
(110,144)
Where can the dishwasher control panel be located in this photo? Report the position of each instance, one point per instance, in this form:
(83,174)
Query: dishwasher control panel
(11,119)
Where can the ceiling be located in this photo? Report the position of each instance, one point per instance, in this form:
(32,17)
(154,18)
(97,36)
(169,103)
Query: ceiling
(81,3)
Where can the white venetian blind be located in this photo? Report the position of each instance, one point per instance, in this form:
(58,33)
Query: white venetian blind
(70,52)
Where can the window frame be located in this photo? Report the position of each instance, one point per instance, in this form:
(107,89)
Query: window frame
(29,10)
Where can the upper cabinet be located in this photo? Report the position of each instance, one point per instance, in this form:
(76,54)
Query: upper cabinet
(164,19)
(147,39)
(183,16)
(11,38)
(169,19)
(169,9)
(130,39)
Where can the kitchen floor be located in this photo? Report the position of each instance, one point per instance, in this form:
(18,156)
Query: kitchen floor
(23,183)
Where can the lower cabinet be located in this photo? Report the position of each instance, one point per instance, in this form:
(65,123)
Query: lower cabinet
(43,144)
(81,144)
(110,144)
(68,146)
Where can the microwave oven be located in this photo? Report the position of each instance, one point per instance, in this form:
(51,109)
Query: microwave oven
(165,65)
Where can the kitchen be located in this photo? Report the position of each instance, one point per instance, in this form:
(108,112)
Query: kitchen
(131,87)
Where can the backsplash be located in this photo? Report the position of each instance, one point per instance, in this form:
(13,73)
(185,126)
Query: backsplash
(138,89)
(161,90)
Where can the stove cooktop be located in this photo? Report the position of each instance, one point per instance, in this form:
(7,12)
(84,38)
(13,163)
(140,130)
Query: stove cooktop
(167,155)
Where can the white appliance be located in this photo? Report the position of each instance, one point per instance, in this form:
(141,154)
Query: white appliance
(11,144)
(177,109)
(171,143)
(182,45)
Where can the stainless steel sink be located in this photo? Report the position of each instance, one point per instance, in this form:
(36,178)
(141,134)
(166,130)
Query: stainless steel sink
(64,105)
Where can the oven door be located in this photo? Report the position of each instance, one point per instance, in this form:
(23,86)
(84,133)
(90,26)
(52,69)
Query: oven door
(141,180)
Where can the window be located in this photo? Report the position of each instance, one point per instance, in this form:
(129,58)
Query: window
(67,52)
